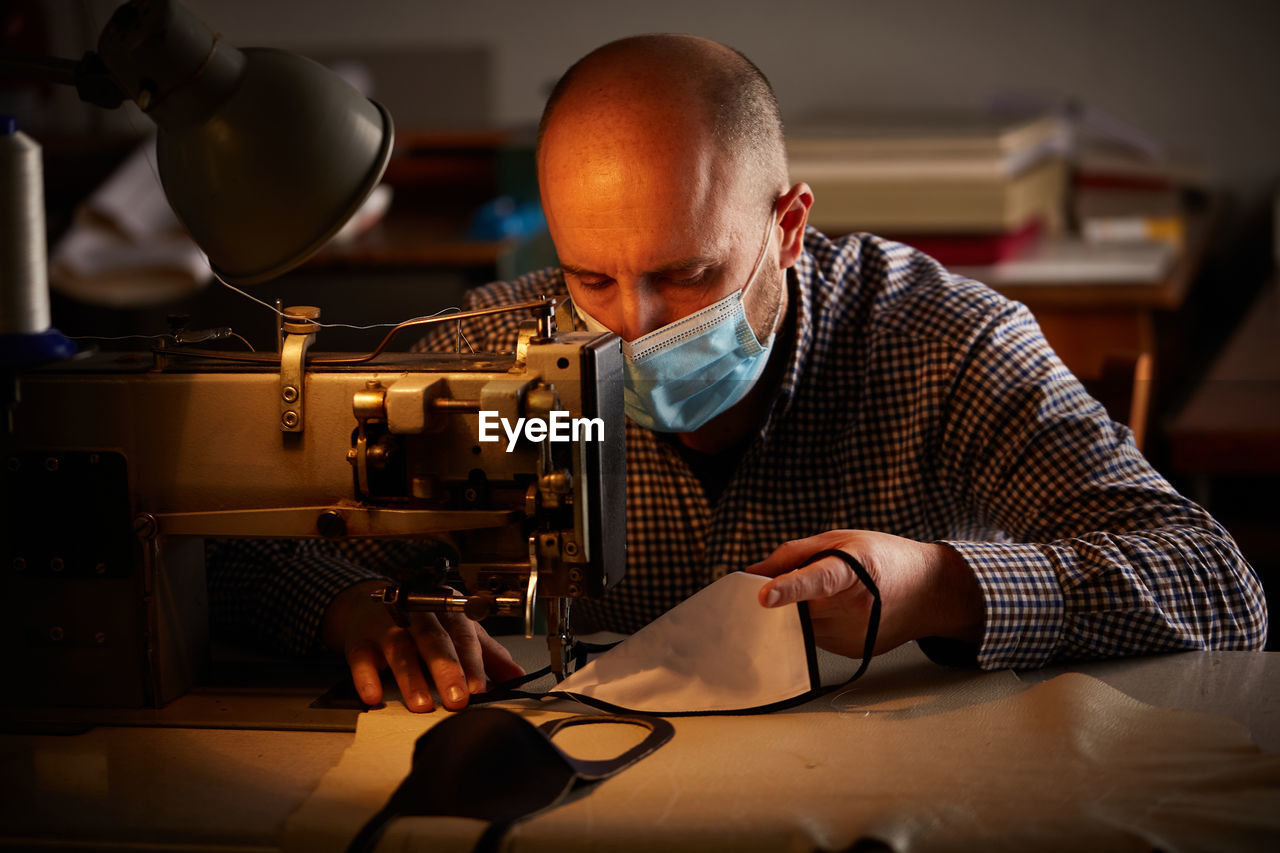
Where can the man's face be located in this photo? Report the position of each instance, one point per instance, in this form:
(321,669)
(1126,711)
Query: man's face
(651,227)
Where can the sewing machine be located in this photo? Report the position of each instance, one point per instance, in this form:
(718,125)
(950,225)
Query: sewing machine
(116,465)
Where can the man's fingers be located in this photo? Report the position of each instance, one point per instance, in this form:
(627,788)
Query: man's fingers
(466,644)
(402,656)
(436,646)
(823,579)
(788,555)
(365,662)
(498,662)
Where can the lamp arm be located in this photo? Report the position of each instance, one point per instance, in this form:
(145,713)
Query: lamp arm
(88,74)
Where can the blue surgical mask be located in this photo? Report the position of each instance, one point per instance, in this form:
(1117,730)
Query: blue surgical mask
(684,374)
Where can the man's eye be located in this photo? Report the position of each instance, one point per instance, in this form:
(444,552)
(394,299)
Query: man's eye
(594,282)
(688,279)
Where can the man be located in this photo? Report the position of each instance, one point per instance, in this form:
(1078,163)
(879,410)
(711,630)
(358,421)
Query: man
(860,399)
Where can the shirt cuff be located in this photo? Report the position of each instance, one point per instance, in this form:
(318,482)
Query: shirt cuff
(317,582)
(1023,600)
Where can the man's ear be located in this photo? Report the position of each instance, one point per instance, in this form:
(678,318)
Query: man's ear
(793,214)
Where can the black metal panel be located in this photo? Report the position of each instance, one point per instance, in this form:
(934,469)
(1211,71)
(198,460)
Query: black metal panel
(606,462)
(66,514)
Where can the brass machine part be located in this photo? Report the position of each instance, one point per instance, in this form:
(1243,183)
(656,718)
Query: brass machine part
(300,328)
(478,606)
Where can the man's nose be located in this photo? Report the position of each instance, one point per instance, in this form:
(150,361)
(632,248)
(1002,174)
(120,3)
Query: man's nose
(641,311)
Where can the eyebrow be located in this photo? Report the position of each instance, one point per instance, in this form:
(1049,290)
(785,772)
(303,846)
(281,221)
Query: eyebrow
(675,266)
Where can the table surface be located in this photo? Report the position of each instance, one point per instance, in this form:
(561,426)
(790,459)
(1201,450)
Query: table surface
(1087,277)
(173,787)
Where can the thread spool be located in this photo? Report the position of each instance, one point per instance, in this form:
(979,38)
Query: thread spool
(24,283)
(25,333)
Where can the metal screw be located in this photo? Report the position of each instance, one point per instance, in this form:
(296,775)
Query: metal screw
(19,564)
(55,634)
(56,564)
(574,590)
(100,638)
(144,526)
(289,419)
(571,548)
(331,524)
(100,568)
(289,394)
(51,464)
(470,495)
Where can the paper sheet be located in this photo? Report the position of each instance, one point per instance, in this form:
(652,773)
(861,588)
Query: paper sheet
(976,761)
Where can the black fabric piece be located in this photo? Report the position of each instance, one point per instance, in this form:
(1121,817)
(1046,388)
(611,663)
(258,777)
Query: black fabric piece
(493,765)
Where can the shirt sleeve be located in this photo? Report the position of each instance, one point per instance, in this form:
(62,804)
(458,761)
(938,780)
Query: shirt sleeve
(1096,554)
(274,593)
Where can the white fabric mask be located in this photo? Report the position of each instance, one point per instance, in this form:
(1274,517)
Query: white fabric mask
(717,651)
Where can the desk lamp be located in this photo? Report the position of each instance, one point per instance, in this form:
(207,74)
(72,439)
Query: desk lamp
(262,154)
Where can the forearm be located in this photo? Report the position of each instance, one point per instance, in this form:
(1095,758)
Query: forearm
(276,592)
(1099,555)
(1114,594)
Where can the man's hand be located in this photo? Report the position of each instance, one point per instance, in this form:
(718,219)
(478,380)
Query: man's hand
(458,652)
(926,590)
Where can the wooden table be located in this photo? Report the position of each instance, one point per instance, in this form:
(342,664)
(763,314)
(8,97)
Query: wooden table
(1101,323)
(210,783)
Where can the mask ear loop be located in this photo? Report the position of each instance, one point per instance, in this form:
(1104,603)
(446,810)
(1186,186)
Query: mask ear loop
(764,250)
(873,619)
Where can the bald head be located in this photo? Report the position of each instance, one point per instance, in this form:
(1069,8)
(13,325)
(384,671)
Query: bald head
(644,90)
(663,178)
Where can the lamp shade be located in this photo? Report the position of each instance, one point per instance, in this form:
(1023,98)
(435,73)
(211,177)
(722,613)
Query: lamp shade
(263,154)
(277,168)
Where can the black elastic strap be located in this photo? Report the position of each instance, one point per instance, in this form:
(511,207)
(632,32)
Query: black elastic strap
(510,689)
(873,620)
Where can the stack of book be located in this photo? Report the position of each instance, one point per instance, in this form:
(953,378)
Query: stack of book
(1124,194)
(966,188)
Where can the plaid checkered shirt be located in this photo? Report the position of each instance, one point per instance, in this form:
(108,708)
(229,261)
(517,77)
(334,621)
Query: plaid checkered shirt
(913,402)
